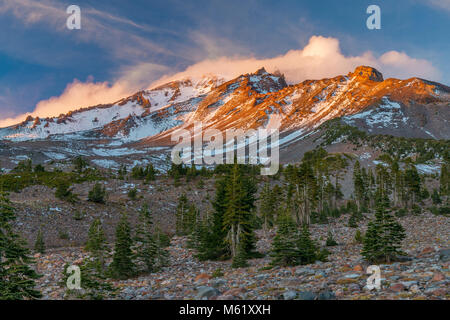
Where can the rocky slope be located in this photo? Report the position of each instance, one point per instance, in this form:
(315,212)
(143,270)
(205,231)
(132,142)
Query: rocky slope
(145,122)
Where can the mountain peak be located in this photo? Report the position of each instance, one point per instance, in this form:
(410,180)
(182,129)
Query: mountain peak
(366,72)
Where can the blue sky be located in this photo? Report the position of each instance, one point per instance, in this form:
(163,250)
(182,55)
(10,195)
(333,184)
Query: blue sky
(126,45)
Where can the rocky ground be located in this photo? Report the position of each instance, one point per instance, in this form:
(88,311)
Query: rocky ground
(423,274)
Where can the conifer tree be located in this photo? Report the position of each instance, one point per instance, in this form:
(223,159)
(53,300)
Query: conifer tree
(97,245)
(122,266)
(213,245)
(308,252)
(97,194)
(145,246)
(359,187)
(330,240)
(161,255)
(384,235)
(238,215)
(267,208)
(17,278)
(444,180)
(284,250)
(181,215)
(39,245)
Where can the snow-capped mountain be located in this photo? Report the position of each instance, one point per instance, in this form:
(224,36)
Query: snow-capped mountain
(409,108)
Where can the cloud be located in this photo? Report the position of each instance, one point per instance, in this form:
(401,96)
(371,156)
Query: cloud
(79,94)
(101,28)
(320,58)
(440,4)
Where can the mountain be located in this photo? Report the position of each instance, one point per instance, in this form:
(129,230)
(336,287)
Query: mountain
(144,122)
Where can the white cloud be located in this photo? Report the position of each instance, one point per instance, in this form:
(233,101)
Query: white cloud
(320,58)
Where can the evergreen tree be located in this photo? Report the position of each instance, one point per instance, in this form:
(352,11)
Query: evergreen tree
(267,208)
(359,187)
(435,197)
(238,215)
(145,246)
(161,255)
(122,266)
(330,240)
(17,278)
(213,245)
(444,180)
(182,215)
(97,245)
(284,250)
(97,194)
(64,192)
(39,245)
(384,235)
(308,252)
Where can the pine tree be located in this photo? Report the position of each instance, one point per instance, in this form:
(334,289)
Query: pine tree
(239,215)
(161,255)
(97,245)
(240,259)
(122,266)
(39,245)
(284,250)
(17,278)
(213,245)
(145,246)
(97,194)
(444,180)
(267,208)
(308,252)
(330,240)
(181,215)
(358,185)
(384,235)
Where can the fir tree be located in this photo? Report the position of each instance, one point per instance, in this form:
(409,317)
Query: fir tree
(267,208)
(238,215)
(161,255)
(213,245)
(181,215)
(308,252)
(330,240)
(17,278)
(145,245)
(384,235)
(97,194)
(97,245)
(122,266)
(284,250)
(39,245)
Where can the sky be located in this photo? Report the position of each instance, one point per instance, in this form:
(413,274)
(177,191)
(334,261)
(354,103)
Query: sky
(126,46)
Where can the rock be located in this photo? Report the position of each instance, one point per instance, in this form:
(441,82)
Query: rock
(226,297)
(352,276)
(326,295)
(339,293)
(358,267)
(306,295)
(398,287)
(414,288)
(205,293)
(438,276)
(444,254)
(202,277)
(408,284)
(289,295)
(234,292)
(427,250)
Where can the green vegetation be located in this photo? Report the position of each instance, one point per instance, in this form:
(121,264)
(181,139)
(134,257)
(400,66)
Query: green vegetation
(17,277)
(97,194)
